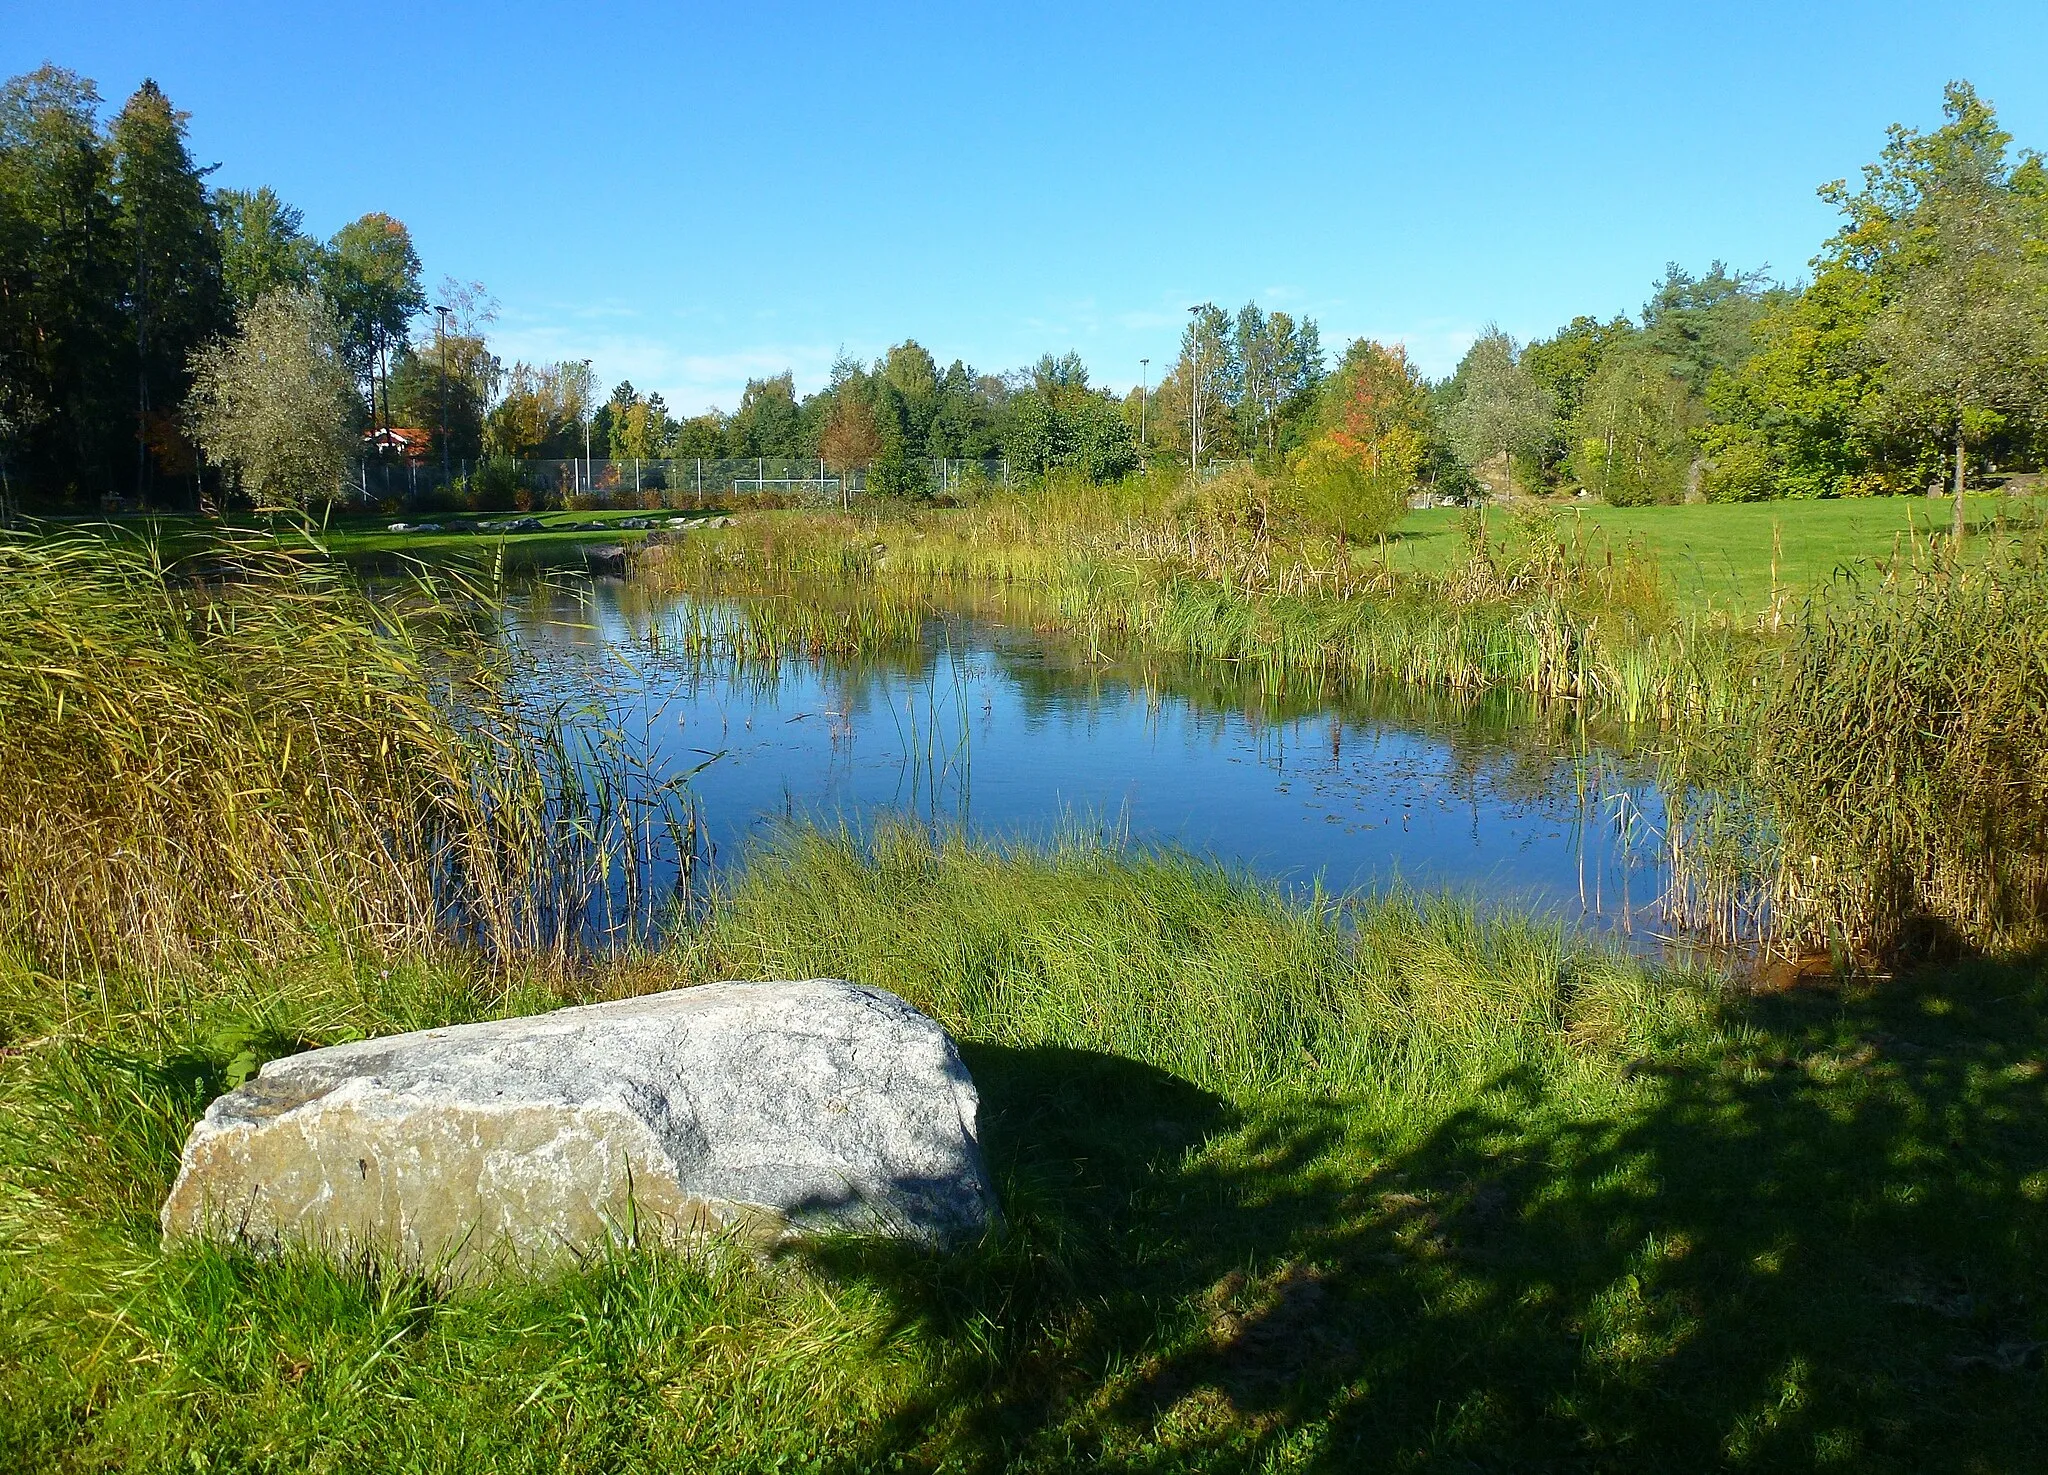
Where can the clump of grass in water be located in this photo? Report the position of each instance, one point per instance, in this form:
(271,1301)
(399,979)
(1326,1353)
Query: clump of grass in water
(1175,962)
(1223,569)
(1888,792)
(265,759)
(803,624)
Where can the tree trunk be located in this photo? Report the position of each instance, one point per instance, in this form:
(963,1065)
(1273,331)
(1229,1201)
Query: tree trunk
(1959,485)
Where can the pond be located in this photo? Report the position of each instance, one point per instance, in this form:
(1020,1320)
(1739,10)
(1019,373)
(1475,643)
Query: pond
(991,729)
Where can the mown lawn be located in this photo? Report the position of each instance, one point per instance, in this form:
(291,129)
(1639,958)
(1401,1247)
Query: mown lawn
(1401,1189)
(1720,556)
(360,537)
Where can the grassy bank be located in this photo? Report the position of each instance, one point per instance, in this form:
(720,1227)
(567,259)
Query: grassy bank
(367,539)
(1654,614)
(1286,1187)
(1207,572)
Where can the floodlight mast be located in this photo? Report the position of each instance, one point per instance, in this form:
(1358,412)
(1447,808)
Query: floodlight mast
(1144,393)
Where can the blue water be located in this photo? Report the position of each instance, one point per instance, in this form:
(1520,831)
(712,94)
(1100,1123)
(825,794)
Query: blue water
(995,731)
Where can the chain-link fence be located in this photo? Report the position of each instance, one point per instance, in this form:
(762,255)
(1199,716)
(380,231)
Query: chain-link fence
(648,483)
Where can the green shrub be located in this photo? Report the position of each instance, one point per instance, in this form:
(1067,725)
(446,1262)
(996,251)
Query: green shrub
(1740,472)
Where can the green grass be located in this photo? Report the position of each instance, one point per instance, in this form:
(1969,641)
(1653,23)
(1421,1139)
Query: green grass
(1392,1183)
(1287,1187)
(1718,557)
(361,537)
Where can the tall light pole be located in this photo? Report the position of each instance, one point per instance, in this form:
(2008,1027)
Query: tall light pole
(1144,393)
(441,312)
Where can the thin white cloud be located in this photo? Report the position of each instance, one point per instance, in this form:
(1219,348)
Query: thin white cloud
(690,382)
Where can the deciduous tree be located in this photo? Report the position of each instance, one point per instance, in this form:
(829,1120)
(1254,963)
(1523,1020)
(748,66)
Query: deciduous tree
(274,405)
(263,246)
(850,441)
(1497,411)
(1377,408)
(1632,436)
(1964,338)
(371,273)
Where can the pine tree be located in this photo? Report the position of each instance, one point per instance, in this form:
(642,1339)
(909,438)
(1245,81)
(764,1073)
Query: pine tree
(173,256)
(60,284)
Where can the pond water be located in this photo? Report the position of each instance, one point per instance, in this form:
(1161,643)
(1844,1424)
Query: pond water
(992,729)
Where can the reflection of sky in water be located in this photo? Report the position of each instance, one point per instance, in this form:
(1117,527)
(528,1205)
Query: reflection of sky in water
(994,732)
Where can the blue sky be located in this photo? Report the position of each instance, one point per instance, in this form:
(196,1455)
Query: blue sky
(690,195)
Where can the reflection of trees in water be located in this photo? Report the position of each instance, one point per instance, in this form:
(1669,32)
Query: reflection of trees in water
(929,702)
(1512,745)
(1507,743)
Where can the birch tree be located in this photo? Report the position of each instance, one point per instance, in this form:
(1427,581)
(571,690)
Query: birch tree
(1500,411)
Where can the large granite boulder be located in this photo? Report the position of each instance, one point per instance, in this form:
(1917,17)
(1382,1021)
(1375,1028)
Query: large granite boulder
(758,1110)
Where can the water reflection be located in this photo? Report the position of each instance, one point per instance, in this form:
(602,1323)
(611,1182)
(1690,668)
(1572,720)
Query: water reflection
(993,729)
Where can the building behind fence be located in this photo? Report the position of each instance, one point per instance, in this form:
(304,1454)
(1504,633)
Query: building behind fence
(580,483)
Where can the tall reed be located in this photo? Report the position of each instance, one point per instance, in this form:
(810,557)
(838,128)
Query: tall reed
(1221,571)
(251,752)
(1887,792)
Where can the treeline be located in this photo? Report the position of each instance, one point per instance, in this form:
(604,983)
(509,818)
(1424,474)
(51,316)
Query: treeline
(891,417)
(147,323)
(118,265)
(1916,356)
(1246,386)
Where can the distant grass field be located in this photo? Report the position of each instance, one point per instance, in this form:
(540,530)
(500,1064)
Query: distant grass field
(358,537)
(1719,557)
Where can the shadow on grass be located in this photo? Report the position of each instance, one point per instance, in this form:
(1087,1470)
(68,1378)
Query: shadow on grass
(1816,1242)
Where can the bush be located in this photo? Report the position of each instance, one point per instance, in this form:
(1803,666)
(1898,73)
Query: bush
(1335,494)
(1740,472)
(495,485)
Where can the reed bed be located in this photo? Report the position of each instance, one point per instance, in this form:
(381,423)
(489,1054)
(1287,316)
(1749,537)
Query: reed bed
(1215,572)
(1887,794)
(249,753)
